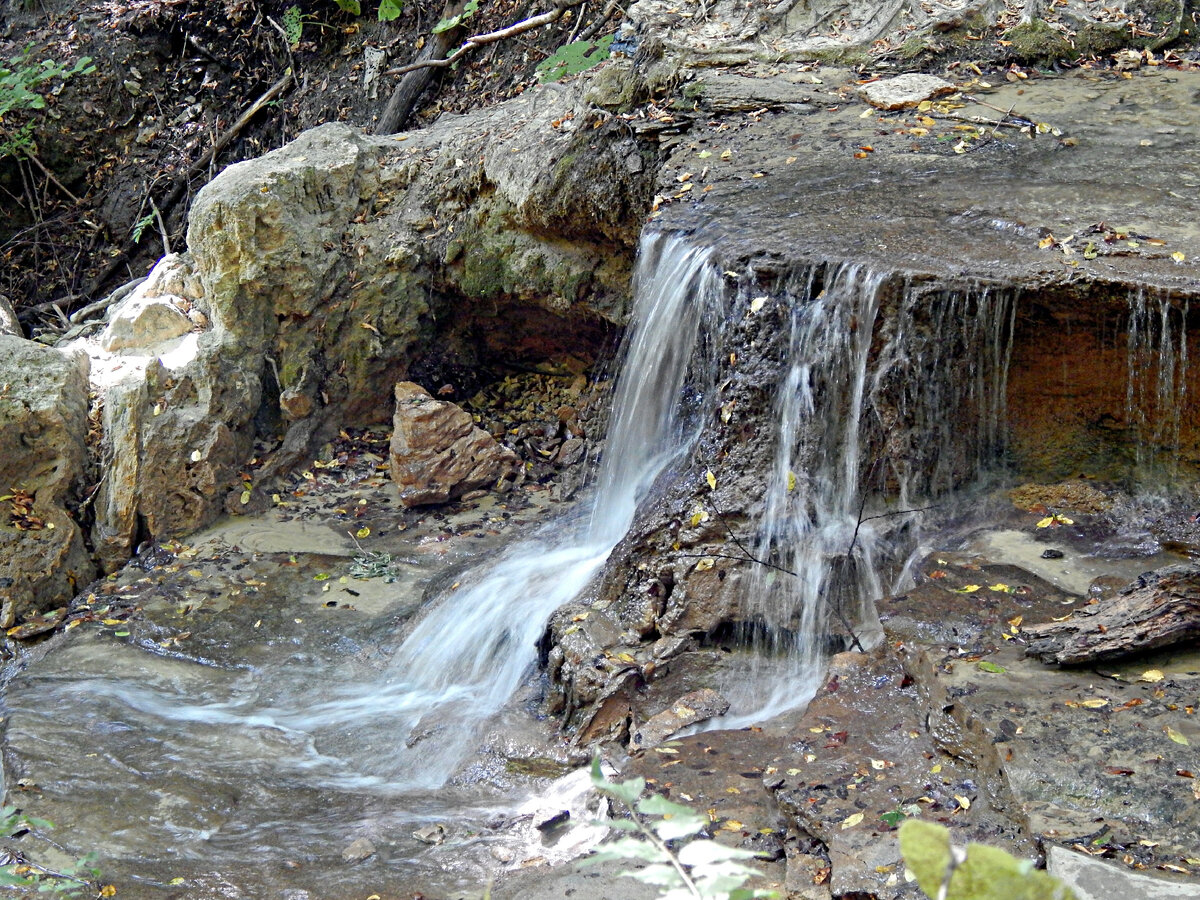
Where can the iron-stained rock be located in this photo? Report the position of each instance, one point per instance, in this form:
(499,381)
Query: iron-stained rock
(438,453)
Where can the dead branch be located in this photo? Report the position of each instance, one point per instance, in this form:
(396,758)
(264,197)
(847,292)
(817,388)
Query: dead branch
(480,40)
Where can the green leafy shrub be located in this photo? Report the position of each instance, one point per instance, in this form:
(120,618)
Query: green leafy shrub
(666,837)
(22,84)
(979,872)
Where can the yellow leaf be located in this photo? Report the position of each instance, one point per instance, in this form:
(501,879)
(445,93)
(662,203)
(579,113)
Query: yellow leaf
(937,768)
(363,532)
(245,498)
(757,303)
(703,565)
(851,821)
(732,790)
(111,622)
(999,588)
(925,106)
(704,154)
(964,802)
(1046,522)
(666,751)
(1176,736)
(967,589)
(176,881)
(196,456)
(878,764)
(726,154)
(731,825)
(1178,257)
(626,657)
(791,481)
(711,479)
(1094,703)
(866,113)
(108,891)
(1151,675)
(1047,241)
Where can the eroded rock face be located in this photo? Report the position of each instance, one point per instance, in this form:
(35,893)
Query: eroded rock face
(316,274)
(43,424)
(438,453)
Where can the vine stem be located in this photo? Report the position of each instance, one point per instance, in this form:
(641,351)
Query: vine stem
(661,846)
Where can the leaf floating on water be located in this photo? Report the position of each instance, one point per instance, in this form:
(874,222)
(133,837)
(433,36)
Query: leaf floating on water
(1151,675)
(704,154)
(1178,257)
(963,802)
(1000,588)
(967,589)
(1176,736)
(703,565)
(757,303)
(851,821)
(1094,703)
(711,479)
(321,576)
(986,666)
(363,532)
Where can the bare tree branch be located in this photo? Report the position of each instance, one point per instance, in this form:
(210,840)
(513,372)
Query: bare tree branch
(480,40)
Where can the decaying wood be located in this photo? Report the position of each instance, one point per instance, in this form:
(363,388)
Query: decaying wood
(1161,608)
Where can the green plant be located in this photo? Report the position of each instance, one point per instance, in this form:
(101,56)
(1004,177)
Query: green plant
(666,836)
(978,872)
(21,85)
(570,59)
(388,9)
(446,24)
(71,881)
(293,25)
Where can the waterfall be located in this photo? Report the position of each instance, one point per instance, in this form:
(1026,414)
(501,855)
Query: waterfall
(1156,381)
(927,378)
(473,647)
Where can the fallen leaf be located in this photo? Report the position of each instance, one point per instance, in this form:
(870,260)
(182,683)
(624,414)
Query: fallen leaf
(757,303)
(986,666)
(711,479)
(1176,736)
(1094,703)
(1151,675)
(964,802)
(363,532)
(967,589)
(703,565)
(851,821)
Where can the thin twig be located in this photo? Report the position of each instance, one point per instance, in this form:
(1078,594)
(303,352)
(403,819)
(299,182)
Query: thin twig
(162,228)
(50,175)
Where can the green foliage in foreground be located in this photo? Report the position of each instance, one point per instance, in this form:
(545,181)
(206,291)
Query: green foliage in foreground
(665,837)
(71,881)
(977,873)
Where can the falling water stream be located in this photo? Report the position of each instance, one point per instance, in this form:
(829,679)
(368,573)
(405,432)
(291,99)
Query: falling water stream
(284,738)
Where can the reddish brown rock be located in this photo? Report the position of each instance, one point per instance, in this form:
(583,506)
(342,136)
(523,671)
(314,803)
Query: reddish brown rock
(438,453)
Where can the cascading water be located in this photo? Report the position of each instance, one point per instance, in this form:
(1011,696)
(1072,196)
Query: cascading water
(1156,381)
(468,654)
(917,379)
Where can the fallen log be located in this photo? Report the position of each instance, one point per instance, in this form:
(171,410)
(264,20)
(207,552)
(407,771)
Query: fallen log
(1159,609)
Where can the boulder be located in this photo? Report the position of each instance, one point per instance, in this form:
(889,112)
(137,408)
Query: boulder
(43,428)
(438,453)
